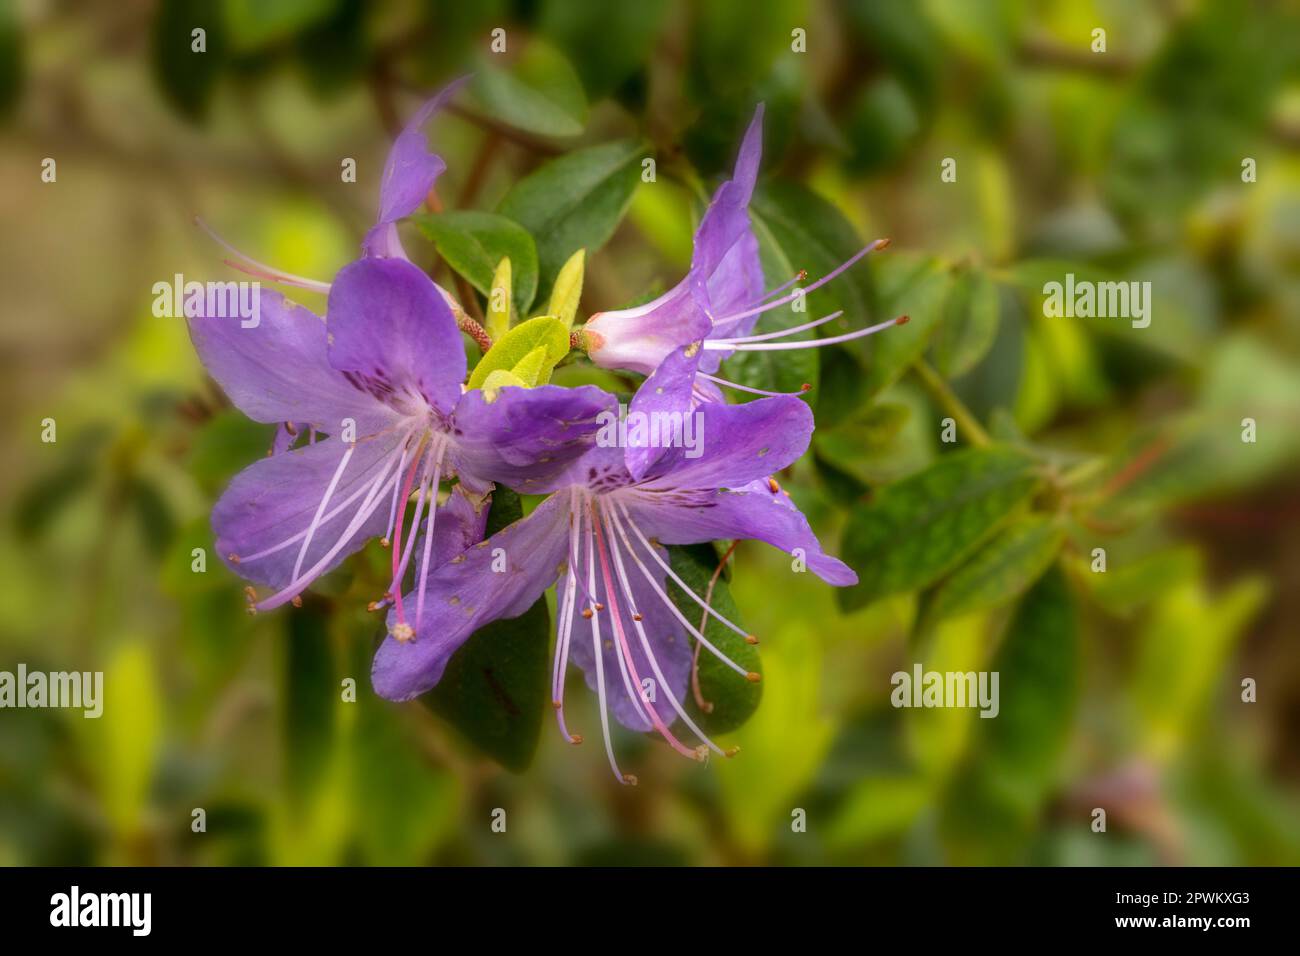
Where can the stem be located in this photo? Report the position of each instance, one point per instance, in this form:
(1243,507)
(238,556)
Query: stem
(939,391)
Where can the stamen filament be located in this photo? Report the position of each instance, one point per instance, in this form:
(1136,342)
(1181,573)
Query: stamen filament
(741,346)
(782,333)
(264,271)
(324,502)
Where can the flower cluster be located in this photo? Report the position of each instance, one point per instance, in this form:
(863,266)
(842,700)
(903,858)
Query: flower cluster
(374,411)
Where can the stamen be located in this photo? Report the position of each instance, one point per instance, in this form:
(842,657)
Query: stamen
(649,653)
(647,708)
(320,509)
(439,444)
(387,539)
(261,269)
(741,345)
(750,389)
(782,333)
(667,601)
(683,585)
(598,653)
(399,566)
(768,306)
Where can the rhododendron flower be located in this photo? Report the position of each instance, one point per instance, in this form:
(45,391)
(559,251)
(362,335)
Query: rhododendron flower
(711,313)
(600,534)
(382,378)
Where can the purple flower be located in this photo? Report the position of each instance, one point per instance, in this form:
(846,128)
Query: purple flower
(711,313)
(381,377)
(600,534)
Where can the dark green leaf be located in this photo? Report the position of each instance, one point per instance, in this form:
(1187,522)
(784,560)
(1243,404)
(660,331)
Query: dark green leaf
(254,24)
(921,527)
(730,698)
(494,690)
(474,243)
(1002,569)
(225,445)
(906,286)
(969,323)
(606,42)
(308,698)
(188,78)
(539,92)
(575,202)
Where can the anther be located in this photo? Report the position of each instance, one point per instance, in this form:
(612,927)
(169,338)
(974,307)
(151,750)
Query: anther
(629,779)
(801,275)
(250,594)
(599,606)
(751,639)
(753,677)
(773,486)
(902,320)
(636,617)
(296,600)
(374,605)
(731,751)
(883,243)
(385,543)
(586,612)
(232,558)
(575,739)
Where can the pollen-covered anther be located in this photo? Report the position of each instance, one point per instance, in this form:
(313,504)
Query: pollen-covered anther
(232,558)
(250,594)
(806,387)
(751,639)
(385,543)
(883,243)
(772,486)
(587,613)
(630,779)
(637,617)
(296,600)
(753,677)
(575,739)
(402,632)
(599,606)
(801,275)
(374,605)
(902,320)
(731,751)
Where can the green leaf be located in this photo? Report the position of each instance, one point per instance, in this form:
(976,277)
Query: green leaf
(877,807)
(226,444)
(539,93)
(1002,569)
(607,42)
(568,289)
(474,243)
(909,286)
(515,346)
(308,698)
(920,528)
(124,742)
(528,369)
(730,698)
(1038,668)
(188,78)
(255,24)
(498,303)
(969,323)
(575,202)
(495,688)
(11,58)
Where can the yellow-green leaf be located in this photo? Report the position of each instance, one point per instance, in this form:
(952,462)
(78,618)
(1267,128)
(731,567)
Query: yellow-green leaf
(568,288)
(498,305)
(513,347)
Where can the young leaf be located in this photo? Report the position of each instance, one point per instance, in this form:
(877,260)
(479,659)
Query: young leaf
(568,289)
(494,690)
(729,699)
(1002,569)
(917,530)
(500,379)
(498,305)
(514,347)
(474,243)
(575,201)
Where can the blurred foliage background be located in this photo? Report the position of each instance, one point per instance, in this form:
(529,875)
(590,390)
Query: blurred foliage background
(1120,689)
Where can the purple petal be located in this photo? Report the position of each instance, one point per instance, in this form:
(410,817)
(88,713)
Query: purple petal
(273,501)
(736,444)
(666,636)
(409,174)
(459,525)
(754,511)
(667,392)
(279,371)
(464,595)
(392,333)
(639,339)
(525,437)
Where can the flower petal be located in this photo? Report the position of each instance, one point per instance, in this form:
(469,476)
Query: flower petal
(667,392)
(736,444)
(392,333)
(754,511)
(524,437)
(279,371)
(271,504)
(409,174)
(464,595)
(664,633)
